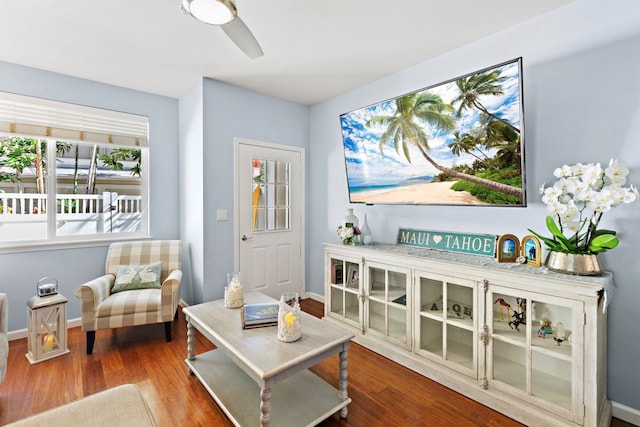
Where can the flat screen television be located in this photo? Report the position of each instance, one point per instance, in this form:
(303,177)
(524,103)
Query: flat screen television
(459,142)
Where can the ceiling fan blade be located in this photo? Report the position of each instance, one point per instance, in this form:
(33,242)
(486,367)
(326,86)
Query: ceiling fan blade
(242,36)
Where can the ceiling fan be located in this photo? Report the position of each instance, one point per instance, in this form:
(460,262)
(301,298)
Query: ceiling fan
(224,14)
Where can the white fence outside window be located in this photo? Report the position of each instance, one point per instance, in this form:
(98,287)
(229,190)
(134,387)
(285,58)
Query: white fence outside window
(23,215)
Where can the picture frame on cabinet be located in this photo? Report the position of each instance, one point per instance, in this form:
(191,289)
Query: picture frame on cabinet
(508,248)
(532,250)
(353,276)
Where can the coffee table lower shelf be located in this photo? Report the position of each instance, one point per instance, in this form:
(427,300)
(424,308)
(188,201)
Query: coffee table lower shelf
(303,399)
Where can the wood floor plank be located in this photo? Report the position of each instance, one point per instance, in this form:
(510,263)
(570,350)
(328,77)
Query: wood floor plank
(383,392)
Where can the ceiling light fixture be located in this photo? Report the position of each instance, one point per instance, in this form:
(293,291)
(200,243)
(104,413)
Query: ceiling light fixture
(224,14)
(214,12)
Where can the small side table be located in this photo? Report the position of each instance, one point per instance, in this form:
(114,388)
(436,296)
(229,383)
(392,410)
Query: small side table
(47,328)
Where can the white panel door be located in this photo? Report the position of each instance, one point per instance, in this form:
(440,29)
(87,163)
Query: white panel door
(269,216)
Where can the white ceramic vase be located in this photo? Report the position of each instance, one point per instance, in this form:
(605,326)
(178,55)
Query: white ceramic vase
(351,219)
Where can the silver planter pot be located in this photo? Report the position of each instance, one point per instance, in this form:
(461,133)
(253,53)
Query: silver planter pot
(578,264)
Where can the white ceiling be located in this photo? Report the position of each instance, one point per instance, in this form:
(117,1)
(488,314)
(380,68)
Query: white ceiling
(314,49)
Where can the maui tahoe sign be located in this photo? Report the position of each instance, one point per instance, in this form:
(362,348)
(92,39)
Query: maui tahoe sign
(476,244)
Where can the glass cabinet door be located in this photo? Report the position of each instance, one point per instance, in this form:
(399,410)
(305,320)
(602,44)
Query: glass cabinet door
(535,341)
(344,302)
(445,321)
(388,292)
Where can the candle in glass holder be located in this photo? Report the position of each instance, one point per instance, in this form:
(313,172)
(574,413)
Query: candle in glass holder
(289,317)
(233,292)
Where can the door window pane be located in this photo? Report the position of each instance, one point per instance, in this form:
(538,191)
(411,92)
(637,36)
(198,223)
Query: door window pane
(271,195)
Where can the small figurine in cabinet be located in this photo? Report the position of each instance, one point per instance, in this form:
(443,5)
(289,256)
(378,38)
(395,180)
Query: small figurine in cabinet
(522,304)
(560,334)
(545,328)
(503,304)
(518,319)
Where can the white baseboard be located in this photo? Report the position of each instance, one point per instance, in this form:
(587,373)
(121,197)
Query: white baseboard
(72,323)
(22,333)
(625,413)
(314,296)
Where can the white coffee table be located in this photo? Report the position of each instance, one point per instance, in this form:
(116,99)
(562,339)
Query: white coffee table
(258,379)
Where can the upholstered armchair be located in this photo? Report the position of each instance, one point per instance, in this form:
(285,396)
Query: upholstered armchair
(4,343)
(130,293)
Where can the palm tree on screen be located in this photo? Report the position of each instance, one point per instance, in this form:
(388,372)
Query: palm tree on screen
(500,135)
(402,129)
(466,143)
(475,86)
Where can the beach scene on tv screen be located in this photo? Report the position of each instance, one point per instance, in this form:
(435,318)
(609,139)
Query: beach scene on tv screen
(456,143)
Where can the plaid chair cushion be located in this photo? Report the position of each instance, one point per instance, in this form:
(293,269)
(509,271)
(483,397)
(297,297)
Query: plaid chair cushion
(130,308)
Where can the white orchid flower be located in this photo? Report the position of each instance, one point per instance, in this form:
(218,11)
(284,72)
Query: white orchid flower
(600,204)
(562,171)
(577,169)
(623,195)
(592,173)
(573,226)
(585,195)
(583,192)
(616,172)
(552,192)
(557,208)
(541,189)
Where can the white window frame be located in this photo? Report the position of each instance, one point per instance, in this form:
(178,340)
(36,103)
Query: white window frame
(105,130)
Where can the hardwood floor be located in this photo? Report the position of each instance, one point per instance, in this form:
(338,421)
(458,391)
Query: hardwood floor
(383,392)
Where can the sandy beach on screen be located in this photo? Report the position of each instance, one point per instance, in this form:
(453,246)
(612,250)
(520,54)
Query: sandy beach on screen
(429,193)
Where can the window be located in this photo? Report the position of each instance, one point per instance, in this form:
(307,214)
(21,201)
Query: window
(70,173)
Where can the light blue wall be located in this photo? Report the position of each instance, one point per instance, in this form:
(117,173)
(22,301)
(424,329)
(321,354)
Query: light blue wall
(230,112)
(72,267)
(192,192)
(581,104)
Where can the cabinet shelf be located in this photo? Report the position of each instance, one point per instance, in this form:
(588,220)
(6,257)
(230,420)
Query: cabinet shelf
(346,290)
(549,347)
(377,295)
(392,293)
(466,323)
(502,331)
(546,345)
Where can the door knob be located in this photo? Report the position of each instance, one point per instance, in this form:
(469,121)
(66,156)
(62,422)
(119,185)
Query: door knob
(244,237)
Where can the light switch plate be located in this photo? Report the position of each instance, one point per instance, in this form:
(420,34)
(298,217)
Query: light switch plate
(221,215)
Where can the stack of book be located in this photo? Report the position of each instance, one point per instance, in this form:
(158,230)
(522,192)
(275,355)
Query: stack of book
(259,315)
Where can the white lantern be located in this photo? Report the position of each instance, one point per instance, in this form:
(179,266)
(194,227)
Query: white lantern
(47,328)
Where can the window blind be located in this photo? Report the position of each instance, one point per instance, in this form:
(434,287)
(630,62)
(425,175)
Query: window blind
(37,118)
